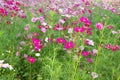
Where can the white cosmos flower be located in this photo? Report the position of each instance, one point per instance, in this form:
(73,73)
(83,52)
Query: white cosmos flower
(94,75)
(37,54)
(114,32)
(90,42)
(46,39)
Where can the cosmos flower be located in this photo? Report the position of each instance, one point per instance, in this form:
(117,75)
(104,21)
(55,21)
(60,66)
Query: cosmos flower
(43,30)
(85,53)
(99,26)
(89,42)
(115,48)
(37,44)
(69,45)
(61,41)
(108,46)
(34,19)
(89,60)
(94,75)
(31,60)
(78,29)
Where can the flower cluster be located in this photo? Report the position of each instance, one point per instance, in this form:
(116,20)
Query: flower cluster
(112,47)
(37,44)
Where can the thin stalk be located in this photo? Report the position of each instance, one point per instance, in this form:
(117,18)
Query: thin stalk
(99,49)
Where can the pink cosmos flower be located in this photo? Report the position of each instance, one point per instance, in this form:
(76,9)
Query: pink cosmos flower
(89,60)
(61,40)
(90,11)
(88,23)
(41,10)
(31,60)
(78,29)
(89,42)
(85,53)
(94,52)
(34,20)
(69,45)
(110,27)
(87,3)
(83,19)
(43,30)
(99,26)
(115,48)
(26,28)
(3,12)
(108,46)
(22,43)
(17,53)
(62,21)
(37,44)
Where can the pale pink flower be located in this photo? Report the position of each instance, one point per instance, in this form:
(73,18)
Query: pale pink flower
(70,30)
(99,26)
(34,20)
(43,30)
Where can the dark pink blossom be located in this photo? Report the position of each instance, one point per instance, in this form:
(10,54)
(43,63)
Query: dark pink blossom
(85,53)
(69,45)
(108,46)
(115,48)
(31,60)
(78,29)
(60,40)
(37,44)
(110,27)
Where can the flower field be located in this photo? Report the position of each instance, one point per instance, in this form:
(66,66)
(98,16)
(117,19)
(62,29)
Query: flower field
(59,40)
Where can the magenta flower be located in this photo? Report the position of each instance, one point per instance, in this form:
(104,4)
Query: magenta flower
(108,46)
(31,60)
(99,26)
(88,23)
(41,10)
(3,12)
(83,19)
(69,45)
(90,11)
(78,29)
(61,40)
(85,53)
(89,60)
(115,48)
(110,27)
(37,44)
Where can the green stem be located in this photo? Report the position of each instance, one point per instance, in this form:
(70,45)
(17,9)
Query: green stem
(99,49)
(53,64)
(30,73)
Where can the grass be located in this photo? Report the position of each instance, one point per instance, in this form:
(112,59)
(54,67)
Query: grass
(54,63)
